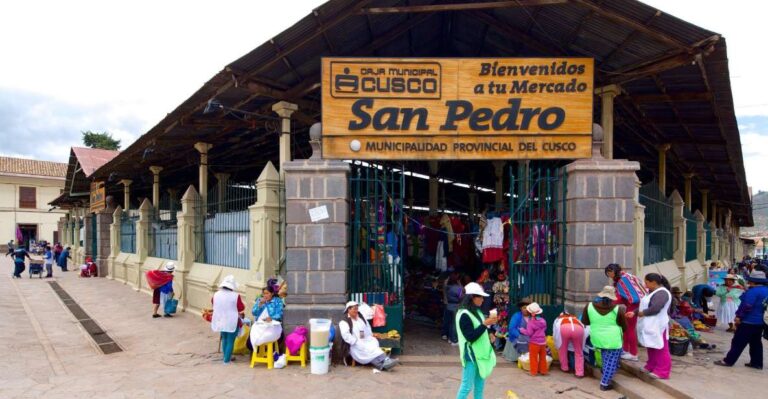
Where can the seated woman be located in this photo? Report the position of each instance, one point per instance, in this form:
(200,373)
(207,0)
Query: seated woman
(360,342)
(268,314)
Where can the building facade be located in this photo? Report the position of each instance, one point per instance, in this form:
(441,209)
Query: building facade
(26,188)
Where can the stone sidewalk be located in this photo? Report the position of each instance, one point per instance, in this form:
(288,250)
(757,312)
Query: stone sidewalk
(47,354)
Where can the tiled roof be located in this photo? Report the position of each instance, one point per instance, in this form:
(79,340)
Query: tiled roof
(91,159)
(19,166)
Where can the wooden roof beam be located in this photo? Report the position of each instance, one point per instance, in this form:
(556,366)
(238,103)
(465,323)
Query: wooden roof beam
(671,97)
(515,33)
(460,7)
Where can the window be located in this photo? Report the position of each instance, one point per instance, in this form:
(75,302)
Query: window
(27,197)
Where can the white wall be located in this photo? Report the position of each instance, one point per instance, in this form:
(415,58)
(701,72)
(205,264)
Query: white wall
(47,189)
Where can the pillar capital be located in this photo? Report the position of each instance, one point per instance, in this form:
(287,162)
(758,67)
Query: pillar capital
(202,147)
(126,182)
(612,90)
(689,176)
(221,176)
(663,147)
(704,191)
(285,109)
(155,170)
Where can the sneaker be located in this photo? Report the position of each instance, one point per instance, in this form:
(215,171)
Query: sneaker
(444,337)
(454,344)
(630,357)
(388,364)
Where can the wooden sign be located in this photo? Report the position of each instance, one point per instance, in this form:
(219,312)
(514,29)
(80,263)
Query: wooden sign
(98,196)
(457,108)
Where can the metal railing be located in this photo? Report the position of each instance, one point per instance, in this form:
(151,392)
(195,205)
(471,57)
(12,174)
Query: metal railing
(659,227)
(163,229)
(691,235)
(222,235)
(128,222)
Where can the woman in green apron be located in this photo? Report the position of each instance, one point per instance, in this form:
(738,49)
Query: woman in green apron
(477,356)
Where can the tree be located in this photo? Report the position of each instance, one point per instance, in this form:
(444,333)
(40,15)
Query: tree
(101,140)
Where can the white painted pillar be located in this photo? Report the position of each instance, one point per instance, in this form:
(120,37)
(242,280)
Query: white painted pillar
(126,193)
(285,109)
(156,185)
(221,188)
(704,202)
(203,149)
(607,94)
(688,177)
(663,148)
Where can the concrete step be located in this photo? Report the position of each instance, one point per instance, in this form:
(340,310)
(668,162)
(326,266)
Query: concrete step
(635,369)
(632,387)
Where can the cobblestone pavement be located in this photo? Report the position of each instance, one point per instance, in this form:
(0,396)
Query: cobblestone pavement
(47,354)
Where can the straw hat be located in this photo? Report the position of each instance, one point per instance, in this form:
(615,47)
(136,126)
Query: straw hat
(228,282)
(534,309)
(731,277)
(169,267)
(608,292)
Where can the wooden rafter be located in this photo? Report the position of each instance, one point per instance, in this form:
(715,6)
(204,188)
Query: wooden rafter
(328,41)
(459,7)
(634,34)
(515,33)
(672,97)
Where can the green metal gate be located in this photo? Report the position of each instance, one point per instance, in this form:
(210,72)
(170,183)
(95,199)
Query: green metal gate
(94,237)
(537,192)
(375,274)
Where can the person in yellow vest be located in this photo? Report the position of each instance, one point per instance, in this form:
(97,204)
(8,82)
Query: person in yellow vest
(607,322)
(475,350)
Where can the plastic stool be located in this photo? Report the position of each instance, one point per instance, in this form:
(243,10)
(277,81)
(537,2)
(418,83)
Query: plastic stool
(300,357)
(264,354)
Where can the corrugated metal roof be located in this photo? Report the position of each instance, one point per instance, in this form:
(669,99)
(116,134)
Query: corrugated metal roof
(91,159)
(32,167)
(622,35)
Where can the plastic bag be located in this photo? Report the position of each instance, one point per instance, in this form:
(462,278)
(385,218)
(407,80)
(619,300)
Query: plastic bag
(281,362)
(552,351)
(379,316)
(241,342)
(262,332)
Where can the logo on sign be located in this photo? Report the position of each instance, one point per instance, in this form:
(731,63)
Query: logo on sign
(406,80)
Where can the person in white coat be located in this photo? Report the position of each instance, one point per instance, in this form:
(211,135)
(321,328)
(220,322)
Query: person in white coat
(653,326)
(228,311)
(363,345)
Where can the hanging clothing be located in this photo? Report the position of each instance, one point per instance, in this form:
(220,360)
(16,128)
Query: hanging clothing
(493,241)
(441,263)
(447,227)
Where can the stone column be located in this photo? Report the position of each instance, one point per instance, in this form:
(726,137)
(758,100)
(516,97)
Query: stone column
(678,245)
(600,222)
(202,186)
(316,257)
(704,202)
(639,223)
(156,185)
(688,198)
(76,236)
(265,231)
(701,240)
(221,188)
(663,148)
(434,186)
(89,232)
(104,219)
(185,234)
(498,169)
(715,233)
(126,193)
(114,241)
(607,94)
(285,109)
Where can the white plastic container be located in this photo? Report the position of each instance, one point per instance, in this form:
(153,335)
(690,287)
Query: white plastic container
(319,332)
(320,360)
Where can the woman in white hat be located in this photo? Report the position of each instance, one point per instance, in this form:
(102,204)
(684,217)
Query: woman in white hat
(228,310)
(607,323)
(360,342)
(476,353)
(729,294)
(165,292)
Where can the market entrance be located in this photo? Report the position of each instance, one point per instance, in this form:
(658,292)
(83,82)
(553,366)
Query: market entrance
(410,258)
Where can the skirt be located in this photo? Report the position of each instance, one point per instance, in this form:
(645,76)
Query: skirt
(726,312)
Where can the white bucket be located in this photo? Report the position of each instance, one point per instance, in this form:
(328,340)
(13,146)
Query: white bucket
(320,360)
(319,332)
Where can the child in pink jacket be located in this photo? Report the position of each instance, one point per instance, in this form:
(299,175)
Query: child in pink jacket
(536,330)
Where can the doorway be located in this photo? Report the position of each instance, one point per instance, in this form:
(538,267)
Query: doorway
(28,234)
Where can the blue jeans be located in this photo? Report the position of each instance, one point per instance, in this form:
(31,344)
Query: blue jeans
(470,377)
(228,344)
(449,325)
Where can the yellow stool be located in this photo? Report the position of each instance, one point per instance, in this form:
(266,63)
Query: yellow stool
(264,354)
(300,357)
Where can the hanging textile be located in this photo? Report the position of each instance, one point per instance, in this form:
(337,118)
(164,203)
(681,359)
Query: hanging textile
(493,241)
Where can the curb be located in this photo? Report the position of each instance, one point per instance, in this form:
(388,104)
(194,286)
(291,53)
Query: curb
(661,385)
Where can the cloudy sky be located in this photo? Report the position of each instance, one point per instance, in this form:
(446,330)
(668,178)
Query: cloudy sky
(100,65)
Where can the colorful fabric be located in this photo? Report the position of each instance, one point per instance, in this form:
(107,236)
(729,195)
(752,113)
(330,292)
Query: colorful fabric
(611,361)
(156,278)
(630,289)
(274,308)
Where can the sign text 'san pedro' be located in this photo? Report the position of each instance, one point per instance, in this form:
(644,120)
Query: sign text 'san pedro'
(508,108)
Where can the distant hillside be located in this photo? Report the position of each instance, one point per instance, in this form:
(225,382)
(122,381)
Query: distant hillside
(759,213)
